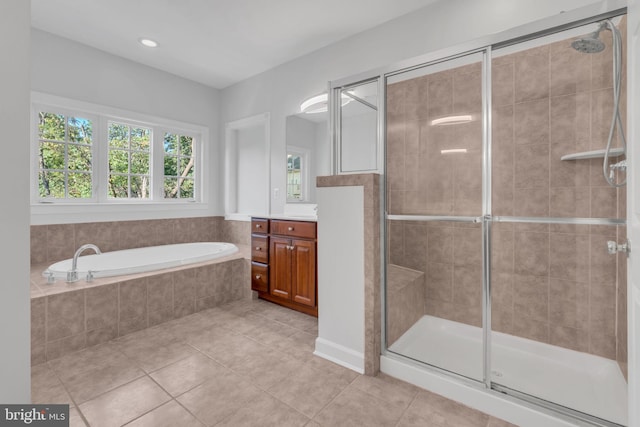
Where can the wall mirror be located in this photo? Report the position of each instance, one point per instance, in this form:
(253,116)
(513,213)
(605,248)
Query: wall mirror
(308,155)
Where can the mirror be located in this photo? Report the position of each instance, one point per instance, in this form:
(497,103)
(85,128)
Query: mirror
(308,155)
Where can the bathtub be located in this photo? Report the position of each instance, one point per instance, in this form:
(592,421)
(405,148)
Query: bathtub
(140,260)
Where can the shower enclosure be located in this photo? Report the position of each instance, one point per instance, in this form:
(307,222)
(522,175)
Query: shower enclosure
(505,256)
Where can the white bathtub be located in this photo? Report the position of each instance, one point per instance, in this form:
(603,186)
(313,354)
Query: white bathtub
(140,260)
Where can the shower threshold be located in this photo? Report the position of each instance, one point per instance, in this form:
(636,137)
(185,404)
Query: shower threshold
(583,382)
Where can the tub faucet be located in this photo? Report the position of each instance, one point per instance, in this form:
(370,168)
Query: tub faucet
(72,275)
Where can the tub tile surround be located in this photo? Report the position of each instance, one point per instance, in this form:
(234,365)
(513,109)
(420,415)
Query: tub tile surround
(68,317)
(552,283)
(180,373)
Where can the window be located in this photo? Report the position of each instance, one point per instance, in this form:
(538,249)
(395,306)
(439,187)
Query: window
(178,166)
(88,154)
(129,161)
(65,156)
(297,174)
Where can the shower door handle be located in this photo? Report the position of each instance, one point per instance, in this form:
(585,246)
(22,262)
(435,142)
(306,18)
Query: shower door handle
(613,247)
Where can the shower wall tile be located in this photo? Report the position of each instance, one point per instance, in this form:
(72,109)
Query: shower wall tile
(440,95)
(502,79)
(60,242)
(531,202)
(439,282)
(601,113)
(532,164)
(532,74)
(531,297)
(569,70)
(531,122)
(439,244)
(531,254)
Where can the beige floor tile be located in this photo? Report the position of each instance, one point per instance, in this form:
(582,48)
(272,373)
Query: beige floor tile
(355,407)
(93,378)
(123,404)
(387,388)
(265,411)
(434,408)
(46,387)
(413,420)
(86,360)
(75,419)
(267,369)
(229,349)
(331,368)
(219,398)
(188,373)
(152,354)
(308,390)
(171,414)
(496,422)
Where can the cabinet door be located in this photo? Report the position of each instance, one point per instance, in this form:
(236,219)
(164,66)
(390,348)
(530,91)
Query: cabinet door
(303,271)
(259,277)
(280,267)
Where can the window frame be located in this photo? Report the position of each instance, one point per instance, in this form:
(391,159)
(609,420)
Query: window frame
(100,117)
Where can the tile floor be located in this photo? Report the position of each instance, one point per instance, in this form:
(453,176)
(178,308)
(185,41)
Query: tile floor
(248,363)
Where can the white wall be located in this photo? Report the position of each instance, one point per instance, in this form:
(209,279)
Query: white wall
(72,70)
(445,23)
(250,171)
(15,334)
(341,276)
(359,149)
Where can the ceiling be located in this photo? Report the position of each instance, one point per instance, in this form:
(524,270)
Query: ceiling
(214,42)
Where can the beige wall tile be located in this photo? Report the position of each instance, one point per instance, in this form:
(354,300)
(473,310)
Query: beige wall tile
(65,315)
(531,74)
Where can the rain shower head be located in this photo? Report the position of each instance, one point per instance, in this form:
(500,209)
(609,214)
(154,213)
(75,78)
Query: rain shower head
(590,43)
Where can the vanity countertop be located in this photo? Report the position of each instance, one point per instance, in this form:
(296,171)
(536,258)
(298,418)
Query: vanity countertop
(310,218)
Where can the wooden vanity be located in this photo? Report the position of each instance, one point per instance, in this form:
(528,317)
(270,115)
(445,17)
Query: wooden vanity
(283,262)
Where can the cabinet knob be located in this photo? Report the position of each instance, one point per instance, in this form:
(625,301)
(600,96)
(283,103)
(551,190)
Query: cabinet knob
(258,248)
(258,276)
(290,228)
(258,226)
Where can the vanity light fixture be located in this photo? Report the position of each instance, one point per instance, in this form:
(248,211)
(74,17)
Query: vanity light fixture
(318,103)
(453,150)
(452,120)
(148,42)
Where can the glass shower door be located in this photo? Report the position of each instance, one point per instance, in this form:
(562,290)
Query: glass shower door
(434,173)
(557,338)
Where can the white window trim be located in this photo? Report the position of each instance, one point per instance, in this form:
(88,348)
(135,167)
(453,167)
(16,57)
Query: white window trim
(100,208)
(304,154)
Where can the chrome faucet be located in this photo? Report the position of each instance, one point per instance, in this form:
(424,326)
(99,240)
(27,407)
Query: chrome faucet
(72,275)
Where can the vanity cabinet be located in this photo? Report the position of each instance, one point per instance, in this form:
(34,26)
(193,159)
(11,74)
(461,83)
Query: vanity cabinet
(289,249)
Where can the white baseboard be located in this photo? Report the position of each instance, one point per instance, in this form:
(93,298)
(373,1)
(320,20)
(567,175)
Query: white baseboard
(340,354)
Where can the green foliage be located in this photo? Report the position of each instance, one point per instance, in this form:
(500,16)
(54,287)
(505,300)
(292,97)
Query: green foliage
(129,161)
(65,146)
(178,167)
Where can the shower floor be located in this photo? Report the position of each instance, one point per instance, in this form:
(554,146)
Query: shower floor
(580,381)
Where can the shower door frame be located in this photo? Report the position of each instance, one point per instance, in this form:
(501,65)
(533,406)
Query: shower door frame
(485,46)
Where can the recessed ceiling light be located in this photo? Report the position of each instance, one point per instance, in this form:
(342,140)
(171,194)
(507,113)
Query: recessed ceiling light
(148,42)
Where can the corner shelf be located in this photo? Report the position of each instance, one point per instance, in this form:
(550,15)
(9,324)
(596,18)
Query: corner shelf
(614,152)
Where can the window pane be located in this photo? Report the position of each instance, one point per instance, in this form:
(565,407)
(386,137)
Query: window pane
(170,143)
(140,187)
(118,135)
(79,158)
(79,185)
(79,130)
(170,188)
(51,126)
(119,186)
(51,184)
(51,155)
(186,145)
(140,163)
(119,161)
(186,164)
(140,138)
(186,189)
(170,166)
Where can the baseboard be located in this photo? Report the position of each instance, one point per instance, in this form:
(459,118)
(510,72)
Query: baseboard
(340,354)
